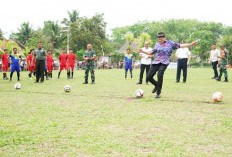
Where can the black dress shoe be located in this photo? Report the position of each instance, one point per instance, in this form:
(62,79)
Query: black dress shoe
(219,78)
(157,96)
(154,89)
(85,83)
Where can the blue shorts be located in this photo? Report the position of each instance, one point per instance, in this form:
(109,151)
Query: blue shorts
(15,67)
(128,66)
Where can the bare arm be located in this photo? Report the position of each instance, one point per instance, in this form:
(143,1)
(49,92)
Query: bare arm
(188,45)
(147,53)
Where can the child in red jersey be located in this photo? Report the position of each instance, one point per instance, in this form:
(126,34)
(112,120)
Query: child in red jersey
(71,58)
(49,61)
(30,63)
(4,59)
(63,61)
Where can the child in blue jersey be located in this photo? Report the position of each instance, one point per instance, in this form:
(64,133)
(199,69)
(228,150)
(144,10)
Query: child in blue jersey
(15,63)
(128,62)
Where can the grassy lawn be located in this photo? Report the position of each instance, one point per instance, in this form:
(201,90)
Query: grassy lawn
(106,120)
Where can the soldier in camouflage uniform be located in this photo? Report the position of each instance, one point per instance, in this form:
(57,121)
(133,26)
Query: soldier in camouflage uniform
(89,57)
(223,69)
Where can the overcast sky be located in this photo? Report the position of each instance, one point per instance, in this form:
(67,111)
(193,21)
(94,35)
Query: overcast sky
(117,12)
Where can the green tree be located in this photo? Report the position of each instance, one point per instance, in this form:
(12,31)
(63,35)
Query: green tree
(24,33)
(129,37)
(52,32)
(89,31)
(1,35)
(73,17)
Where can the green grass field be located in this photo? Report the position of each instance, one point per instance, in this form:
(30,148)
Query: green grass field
(106,120)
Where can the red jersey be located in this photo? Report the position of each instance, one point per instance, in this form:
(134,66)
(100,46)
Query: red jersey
(30,59)
(4,59)
(49,59)
(63,58)
(71,58)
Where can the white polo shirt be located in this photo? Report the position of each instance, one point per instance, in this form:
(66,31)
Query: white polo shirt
(182,53)
(214,55)
(145,59)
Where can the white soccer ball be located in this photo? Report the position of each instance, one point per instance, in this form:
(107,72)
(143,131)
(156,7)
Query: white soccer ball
(217,96)
(67,88)
(17,86)
(139,93)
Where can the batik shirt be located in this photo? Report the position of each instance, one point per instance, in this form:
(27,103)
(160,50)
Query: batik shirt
(164,51)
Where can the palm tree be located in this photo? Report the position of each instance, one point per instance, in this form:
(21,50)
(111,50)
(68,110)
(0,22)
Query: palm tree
(24,34)
(52,30)
(73,17)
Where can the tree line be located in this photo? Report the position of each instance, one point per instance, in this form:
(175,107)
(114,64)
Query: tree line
(83,30)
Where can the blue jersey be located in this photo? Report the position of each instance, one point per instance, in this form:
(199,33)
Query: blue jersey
(15,58)
(128,59)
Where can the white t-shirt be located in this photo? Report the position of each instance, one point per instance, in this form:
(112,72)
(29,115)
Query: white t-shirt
(214,55)
(145,59)
(182,53)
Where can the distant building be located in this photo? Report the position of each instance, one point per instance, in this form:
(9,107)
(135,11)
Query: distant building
(135,47)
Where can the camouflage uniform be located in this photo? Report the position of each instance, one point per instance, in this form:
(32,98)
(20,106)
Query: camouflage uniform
(223,68)
(89,64)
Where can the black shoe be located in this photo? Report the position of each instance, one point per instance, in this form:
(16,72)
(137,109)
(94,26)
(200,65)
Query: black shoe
(219,78)
(139,83)
(226,80)
(154,89)
(19,80)
(157,96)
(85,83)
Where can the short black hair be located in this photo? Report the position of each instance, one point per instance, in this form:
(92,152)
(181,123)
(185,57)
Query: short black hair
(39,42)
(63,49)
(214,44)
(128,49)
(14,48)
(161,35)
(5,50)
(49,50)
(70,49)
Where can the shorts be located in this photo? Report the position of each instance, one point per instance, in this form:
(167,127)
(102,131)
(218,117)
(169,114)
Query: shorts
(63,66)
(128,66)
(70,66)
(31,68)
(15,67)
(50,67)
(5,68)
